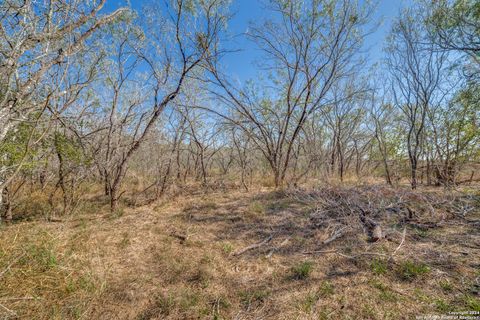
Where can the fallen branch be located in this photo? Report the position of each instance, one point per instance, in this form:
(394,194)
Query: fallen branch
(20,298)
(362,254)
(180,237)
(253,246)
(320,251)
(401,242)
(284,242)
(345,255)
(337,234)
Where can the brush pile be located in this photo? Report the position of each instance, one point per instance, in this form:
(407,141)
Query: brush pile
(379,212)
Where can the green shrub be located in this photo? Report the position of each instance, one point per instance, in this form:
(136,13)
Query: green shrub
(410,270)
(302,270)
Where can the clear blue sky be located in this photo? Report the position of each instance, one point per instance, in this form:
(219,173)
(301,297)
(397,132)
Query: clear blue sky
(240,63)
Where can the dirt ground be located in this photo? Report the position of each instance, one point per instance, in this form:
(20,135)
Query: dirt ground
(258,255)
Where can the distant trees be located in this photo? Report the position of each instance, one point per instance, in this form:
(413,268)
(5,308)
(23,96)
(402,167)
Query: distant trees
(454,25)
(455,135)
(310,47)
(190,31)
(39,71)
(417,72)
(138,104)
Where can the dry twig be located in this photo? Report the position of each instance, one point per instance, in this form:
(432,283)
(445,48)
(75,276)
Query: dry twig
(253,246)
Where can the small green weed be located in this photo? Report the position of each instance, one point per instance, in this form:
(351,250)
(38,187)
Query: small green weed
(410,270)
(378,266)
(302,270)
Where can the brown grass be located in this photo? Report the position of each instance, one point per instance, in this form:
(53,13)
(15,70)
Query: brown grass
(174,259)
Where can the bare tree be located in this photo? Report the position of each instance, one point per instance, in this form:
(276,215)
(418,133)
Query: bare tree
(416,69)
(38,40)
(310,47)
(344,117)
(190,33)
(453,26)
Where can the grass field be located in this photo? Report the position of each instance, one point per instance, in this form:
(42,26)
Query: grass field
(257,255)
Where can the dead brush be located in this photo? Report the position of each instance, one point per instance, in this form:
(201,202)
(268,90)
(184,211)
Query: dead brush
(373,212)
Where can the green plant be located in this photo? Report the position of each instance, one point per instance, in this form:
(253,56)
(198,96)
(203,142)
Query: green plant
(422,233)
(368,312)
(202,276)
(43,255)
(307,303)
(247,297)
(472,303)
(125,241)
(378,266)
(278,205)
(442,306)
(256,207)
(227,248)
(162,305)
(188,300)
(410,270)
(385,293)
(209,205)
(326,289)
(302,270)
(446,285)
(85,283)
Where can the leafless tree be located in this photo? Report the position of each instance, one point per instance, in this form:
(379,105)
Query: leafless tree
(309,48)
(416,69)
(38,40)
(189,32)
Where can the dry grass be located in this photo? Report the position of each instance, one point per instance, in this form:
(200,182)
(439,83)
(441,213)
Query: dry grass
(176,259)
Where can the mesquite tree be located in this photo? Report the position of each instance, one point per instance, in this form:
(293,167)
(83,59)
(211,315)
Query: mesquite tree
(180,37)
(417,72)
(308,47)
(38,42)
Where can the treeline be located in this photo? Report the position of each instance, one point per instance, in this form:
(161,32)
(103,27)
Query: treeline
(140,103)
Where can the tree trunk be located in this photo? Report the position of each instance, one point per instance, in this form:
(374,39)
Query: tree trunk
(7,204)
(114,198)
(414,173)
(388,176)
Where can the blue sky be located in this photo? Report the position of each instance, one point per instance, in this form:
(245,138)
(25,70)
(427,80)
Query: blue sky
(240,65)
